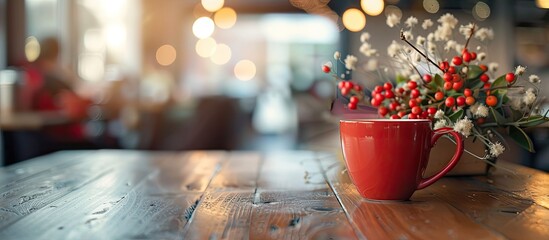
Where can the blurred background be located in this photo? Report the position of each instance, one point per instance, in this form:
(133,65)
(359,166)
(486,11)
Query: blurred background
(212,74)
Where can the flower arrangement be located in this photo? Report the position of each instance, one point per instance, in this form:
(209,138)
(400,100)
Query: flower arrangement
(442,79)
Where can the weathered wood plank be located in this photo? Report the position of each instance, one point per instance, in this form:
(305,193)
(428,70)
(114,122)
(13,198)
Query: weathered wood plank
(134,200)
(494,208)
(291,171)
(525,182)
(299,215)
(238,172)
(22,170)
(310,212)
(424,217)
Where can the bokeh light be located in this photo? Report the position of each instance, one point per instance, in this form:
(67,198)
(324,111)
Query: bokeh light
(245,70)
(91,67)
(391,9)
(354,20)
(32,49)
(225,18)
(481,11)
(166,55)
(205,47)
(203,27)
(431,6)
(542,3)
(212,5)
(222,54)
(372,7)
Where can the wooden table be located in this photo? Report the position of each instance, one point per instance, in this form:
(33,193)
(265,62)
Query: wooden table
(110,194)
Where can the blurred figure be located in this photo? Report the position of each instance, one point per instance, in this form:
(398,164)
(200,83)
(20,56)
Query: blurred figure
(47,89)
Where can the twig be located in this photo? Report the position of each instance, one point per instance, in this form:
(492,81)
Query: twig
(402,37)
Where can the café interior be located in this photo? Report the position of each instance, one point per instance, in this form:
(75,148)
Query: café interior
(174,75)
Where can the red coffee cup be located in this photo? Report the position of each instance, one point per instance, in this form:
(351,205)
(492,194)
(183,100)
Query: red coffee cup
(386,158)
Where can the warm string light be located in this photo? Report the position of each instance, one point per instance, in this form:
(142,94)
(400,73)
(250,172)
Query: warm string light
(354,20)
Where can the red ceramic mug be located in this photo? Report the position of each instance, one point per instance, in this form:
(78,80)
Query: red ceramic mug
(386,158)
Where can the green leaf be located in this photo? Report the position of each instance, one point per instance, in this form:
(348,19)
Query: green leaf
(500,82)
(474,72)
(497,116)
(474,84)
(520,137)
(438,82)
(400,79)
(533,121)
(456,115)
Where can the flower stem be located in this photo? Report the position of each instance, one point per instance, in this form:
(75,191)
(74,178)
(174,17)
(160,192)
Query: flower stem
(402,37)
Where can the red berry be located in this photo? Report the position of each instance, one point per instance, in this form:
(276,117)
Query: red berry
(393,106)
(388,86)
(389,94)
(357,88)
(432,110)
(448,85)
(401,114)
(382,111)
(416,110)
(470,100)
(460,101)
(394,116)
(448,77)
(412,103)
(401,90)
(510,77)
(483,67)
(466,56)
(378,89)
(481,120)
(457,61)
(412,116)
(484,77)
(468,92)
(412,84)
(345,91)
(439,96)
(487,86)
(349,84)
(444,65)
(473,55)
(341,84)
(450,101)
(427,78)
(375,102)
(491,101)
(351,105)
(424,115)
(452,69)
(379,97)
(353,99)
(414,93)
(457,85)
(326,69)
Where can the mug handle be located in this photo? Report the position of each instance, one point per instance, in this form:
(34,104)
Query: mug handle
(425,182)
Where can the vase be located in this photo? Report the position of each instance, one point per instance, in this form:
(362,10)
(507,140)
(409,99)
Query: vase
(467,165)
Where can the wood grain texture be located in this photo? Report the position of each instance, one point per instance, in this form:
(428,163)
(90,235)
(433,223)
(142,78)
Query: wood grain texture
(424,217)
(291,171)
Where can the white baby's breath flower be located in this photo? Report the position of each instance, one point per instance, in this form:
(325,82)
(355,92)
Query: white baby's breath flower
(342,75)
(529,97)
(415,77)
(393,49)
(427,23)
(481,56)
(350,62)
(465,69)
(459,48)
(408,35)
(432,47)
(371,65)
(534,79)
(367,49)
(493,66)
(516,103)
(448,20)
(466,30)
(411,21)
(520,70)
(439,114)
(450,45)
(386,70)
(431,37)
(484,33)
(337,55)
(496,149)
(420,40)
(365,36)
(440,124)
(464,126)
(443,33)
(480,110)
(392,20)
